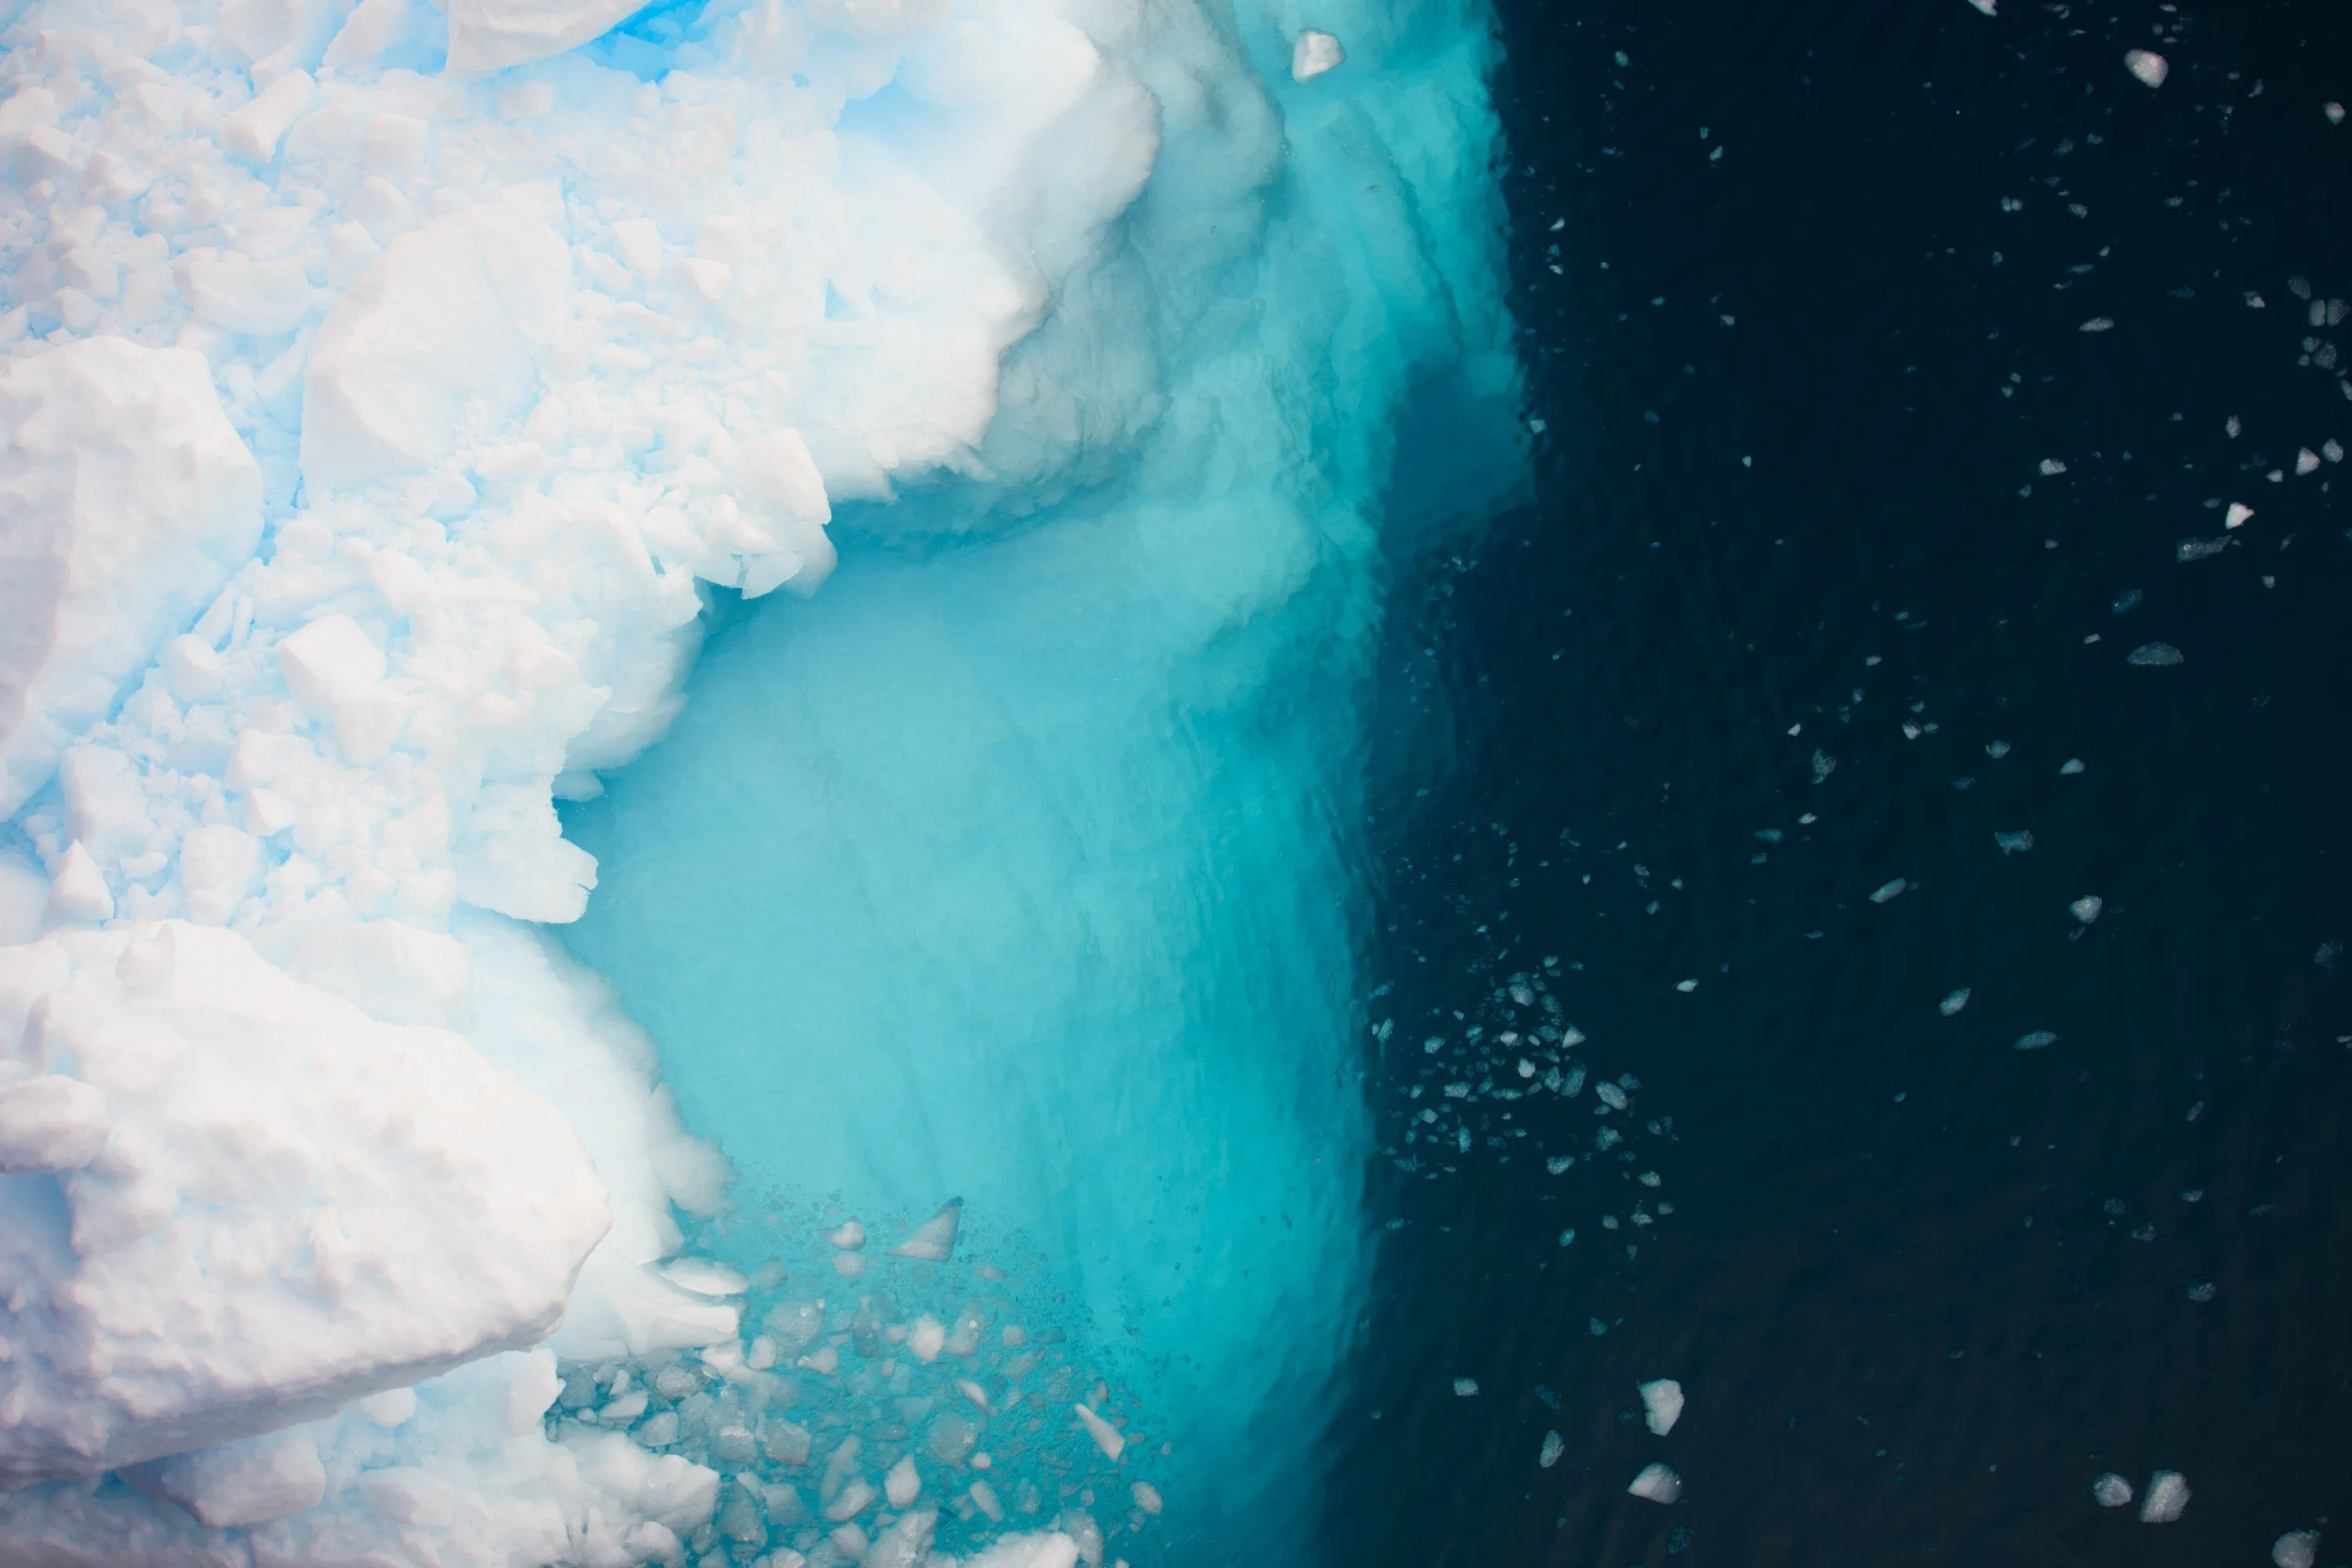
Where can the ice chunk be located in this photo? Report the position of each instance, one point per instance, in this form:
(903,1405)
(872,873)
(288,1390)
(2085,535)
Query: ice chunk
(1549,1452)
(126,500)
(2088,908)
(2036,1041)
(902,1484)
(848,1236)
(1989,7)
(1465,1388)
(1107,1437)
(251,1482)
(488,35)
(78,893)
(704,1277)
(2295,1549)
(2147,65)
(442,333)
(1953,1001)
(2154,654)
(933,1241)
(1887,890)
(51,1124)
(2165,1500)
(254,132)
(2013,842)
(2111,1490)
(1658,1483)
(2238,516)
(1662,1405)
(1313,53)
(319,1205)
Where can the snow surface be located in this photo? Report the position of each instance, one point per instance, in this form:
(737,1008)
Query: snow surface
(387,390)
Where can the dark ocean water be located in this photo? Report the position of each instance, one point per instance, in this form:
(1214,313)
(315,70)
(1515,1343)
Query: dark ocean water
(1812,298)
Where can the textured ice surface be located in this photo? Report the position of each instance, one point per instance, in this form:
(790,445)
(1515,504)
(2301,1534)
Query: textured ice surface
(386,387)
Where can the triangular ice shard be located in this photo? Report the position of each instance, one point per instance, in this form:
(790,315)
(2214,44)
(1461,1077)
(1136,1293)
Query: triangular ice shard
(933,1241)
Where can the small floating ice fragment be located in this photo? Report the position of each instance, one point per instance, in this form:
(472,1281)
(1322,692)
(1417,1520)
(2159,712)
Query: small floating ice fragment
(1312,53)
(1549,1454)
(2334,113)
(1465,1388)
(1889,890)
(2086,908)
(1658,1483)
(2071,766)
(1106,1436)
(849,1235)
(2238,515)
(1988,7)
(1661,1403)
(2295,1549)
(2035,1040)
(2111,1490)
(2148,64)
(933,1241)
(2097,324)
(1953,1003)
(2167,1496)
(2013,842)
(2154,654)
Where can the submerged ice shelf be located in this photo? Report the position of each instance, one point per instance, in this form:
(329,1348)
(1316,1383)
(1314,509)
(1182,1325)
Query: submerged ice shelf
(386,389)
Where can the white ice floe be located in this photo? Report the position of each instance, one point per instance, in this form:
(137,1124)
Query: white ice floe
(1313,53)
(1662,1405)
(2110,1489)
(1657,1483)
(2165,1500)
(2295,1549)
(2148,64)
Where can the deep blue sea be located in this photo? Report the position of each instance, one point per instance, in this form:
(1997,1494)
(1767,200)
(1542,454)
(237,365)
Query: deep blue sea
(1927,796)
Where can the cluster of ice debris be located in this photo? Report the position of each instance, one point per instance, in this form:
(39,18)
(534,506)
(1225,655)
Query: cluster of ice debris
(1511,1076)
(384,385)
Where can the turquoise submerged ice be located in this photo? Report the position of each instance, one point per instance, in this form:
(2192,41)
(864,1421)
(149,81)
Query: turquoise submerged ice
(1083,377)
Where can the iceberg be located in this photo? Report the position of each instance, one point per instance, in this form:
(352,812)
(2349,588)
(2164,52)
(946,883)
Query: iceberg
(475,960)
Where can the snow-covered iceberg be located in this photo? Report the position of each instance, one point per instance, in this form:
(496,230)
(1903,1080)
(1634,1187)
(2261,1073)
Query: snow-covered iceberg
(396,396)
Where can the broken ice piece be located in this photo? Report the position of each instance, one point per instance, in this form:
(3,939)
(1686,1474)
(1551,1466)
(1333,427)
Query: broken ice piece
(1549,1454)
(1987,6)
(1465,1388)
(701,1276)
(1658,1483)
(849,1235)
(1312,53)
(2154,654)
(2086,908)
(2238,514)
(2111,1490)
(2148,64)
(2295,1549)
(1661,1402)
(2168,1498)
(1106,1436)
(2036,1041)
(1889,890)
(933,1241)
(1953,1003)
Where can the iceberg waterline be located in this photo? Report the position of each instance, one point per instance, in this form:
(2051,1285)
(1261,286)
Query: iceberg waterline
(1012,864)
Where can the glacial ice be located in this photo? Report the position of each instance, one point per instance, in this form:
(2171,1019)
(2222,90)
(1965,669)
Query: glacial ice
(387,391)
